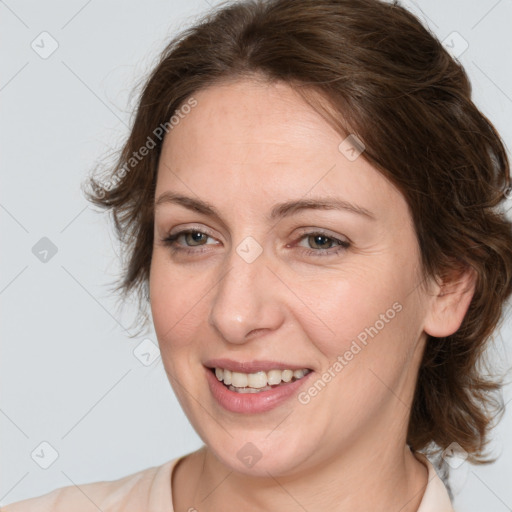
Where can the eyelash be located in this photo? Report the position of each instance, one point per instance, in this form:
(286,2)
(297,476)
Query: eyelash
(341,246)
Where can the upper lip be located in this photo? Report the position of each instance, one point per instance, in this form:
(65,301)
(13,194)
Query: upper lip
(251,366)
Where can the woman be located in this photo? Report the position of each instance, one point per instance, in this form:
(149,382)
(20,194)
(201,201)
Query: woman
(310,203)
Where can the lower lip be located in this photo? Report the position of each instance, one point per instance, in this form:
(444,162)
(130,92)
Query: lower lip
(252,402)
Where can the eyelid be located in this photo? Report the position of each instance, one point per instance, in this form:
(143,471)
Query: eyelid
(341,244)
(192,227)
(307,230)
(311,230)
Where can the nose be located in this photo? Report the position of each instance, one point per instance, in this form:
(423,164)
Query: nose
(247,300)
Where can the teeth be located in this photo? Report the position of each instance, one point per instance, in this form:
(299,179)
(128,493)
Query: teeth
(256,380)
(253,382)
(247,390)
(274,377)
(239,380)
(287,375)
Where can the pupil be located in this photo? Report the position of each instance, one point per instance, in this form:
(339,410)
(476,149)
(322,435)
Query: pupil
(196,236)
(321,240)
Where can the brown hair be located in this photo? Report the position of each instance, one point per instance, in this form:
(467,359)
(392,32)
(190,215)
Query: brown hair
(388,80)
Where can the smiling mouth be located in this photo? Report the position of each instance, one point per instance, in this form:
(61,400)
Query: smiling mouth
(259,381)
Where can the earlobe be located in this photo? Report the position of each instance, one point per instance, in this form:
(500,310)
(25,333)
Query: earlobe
(450,302)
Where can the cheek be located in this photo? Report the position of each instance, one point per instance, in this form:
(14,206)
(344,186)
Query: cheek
(342,305)
(177,304)
(368,316)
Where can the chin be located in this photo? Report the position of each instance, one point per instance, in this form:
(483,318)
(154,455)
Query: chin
(261,457)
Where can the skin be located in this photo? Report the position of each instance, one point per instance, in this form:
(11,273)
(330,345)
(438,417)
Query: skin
(245,147)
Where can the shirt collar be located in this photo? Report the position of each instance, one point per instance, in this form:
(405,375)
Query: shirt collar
(435,497)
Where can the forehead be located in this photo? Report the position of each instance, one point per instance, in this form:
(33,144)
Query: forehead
(249,136)
(248,115)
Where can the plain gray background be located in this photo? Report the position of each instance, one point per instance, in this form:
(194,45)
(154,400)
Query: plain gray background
(70,374)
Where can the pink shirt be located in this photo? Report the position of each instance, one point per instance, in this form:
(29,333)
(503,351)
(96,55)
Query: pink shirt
(150,490)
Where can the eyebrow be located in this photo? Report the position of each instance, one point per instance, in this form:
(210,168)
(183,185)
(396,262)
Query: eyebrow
(279,211)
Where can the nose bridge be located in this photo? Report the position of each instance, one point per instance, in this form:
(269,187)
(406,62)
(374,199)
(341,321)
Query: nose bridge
(245,299)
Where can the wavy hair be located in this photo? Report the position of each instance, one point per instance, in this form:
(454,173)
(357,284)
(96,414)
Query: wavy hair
(373,70)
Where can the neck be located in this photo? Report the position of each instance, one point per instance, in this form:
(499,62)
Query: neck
(390,478)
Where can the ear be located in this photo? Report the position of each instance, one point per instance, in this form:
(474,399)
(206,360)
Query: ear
(450,302)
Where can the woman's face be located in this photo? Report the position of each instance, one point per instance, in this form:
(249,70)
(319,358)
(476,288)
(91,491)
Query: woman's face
(261,287)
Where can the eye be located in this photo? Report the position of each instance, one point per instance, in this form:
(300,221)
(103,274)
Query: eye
(196,237)
(323,244)
(191,237)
